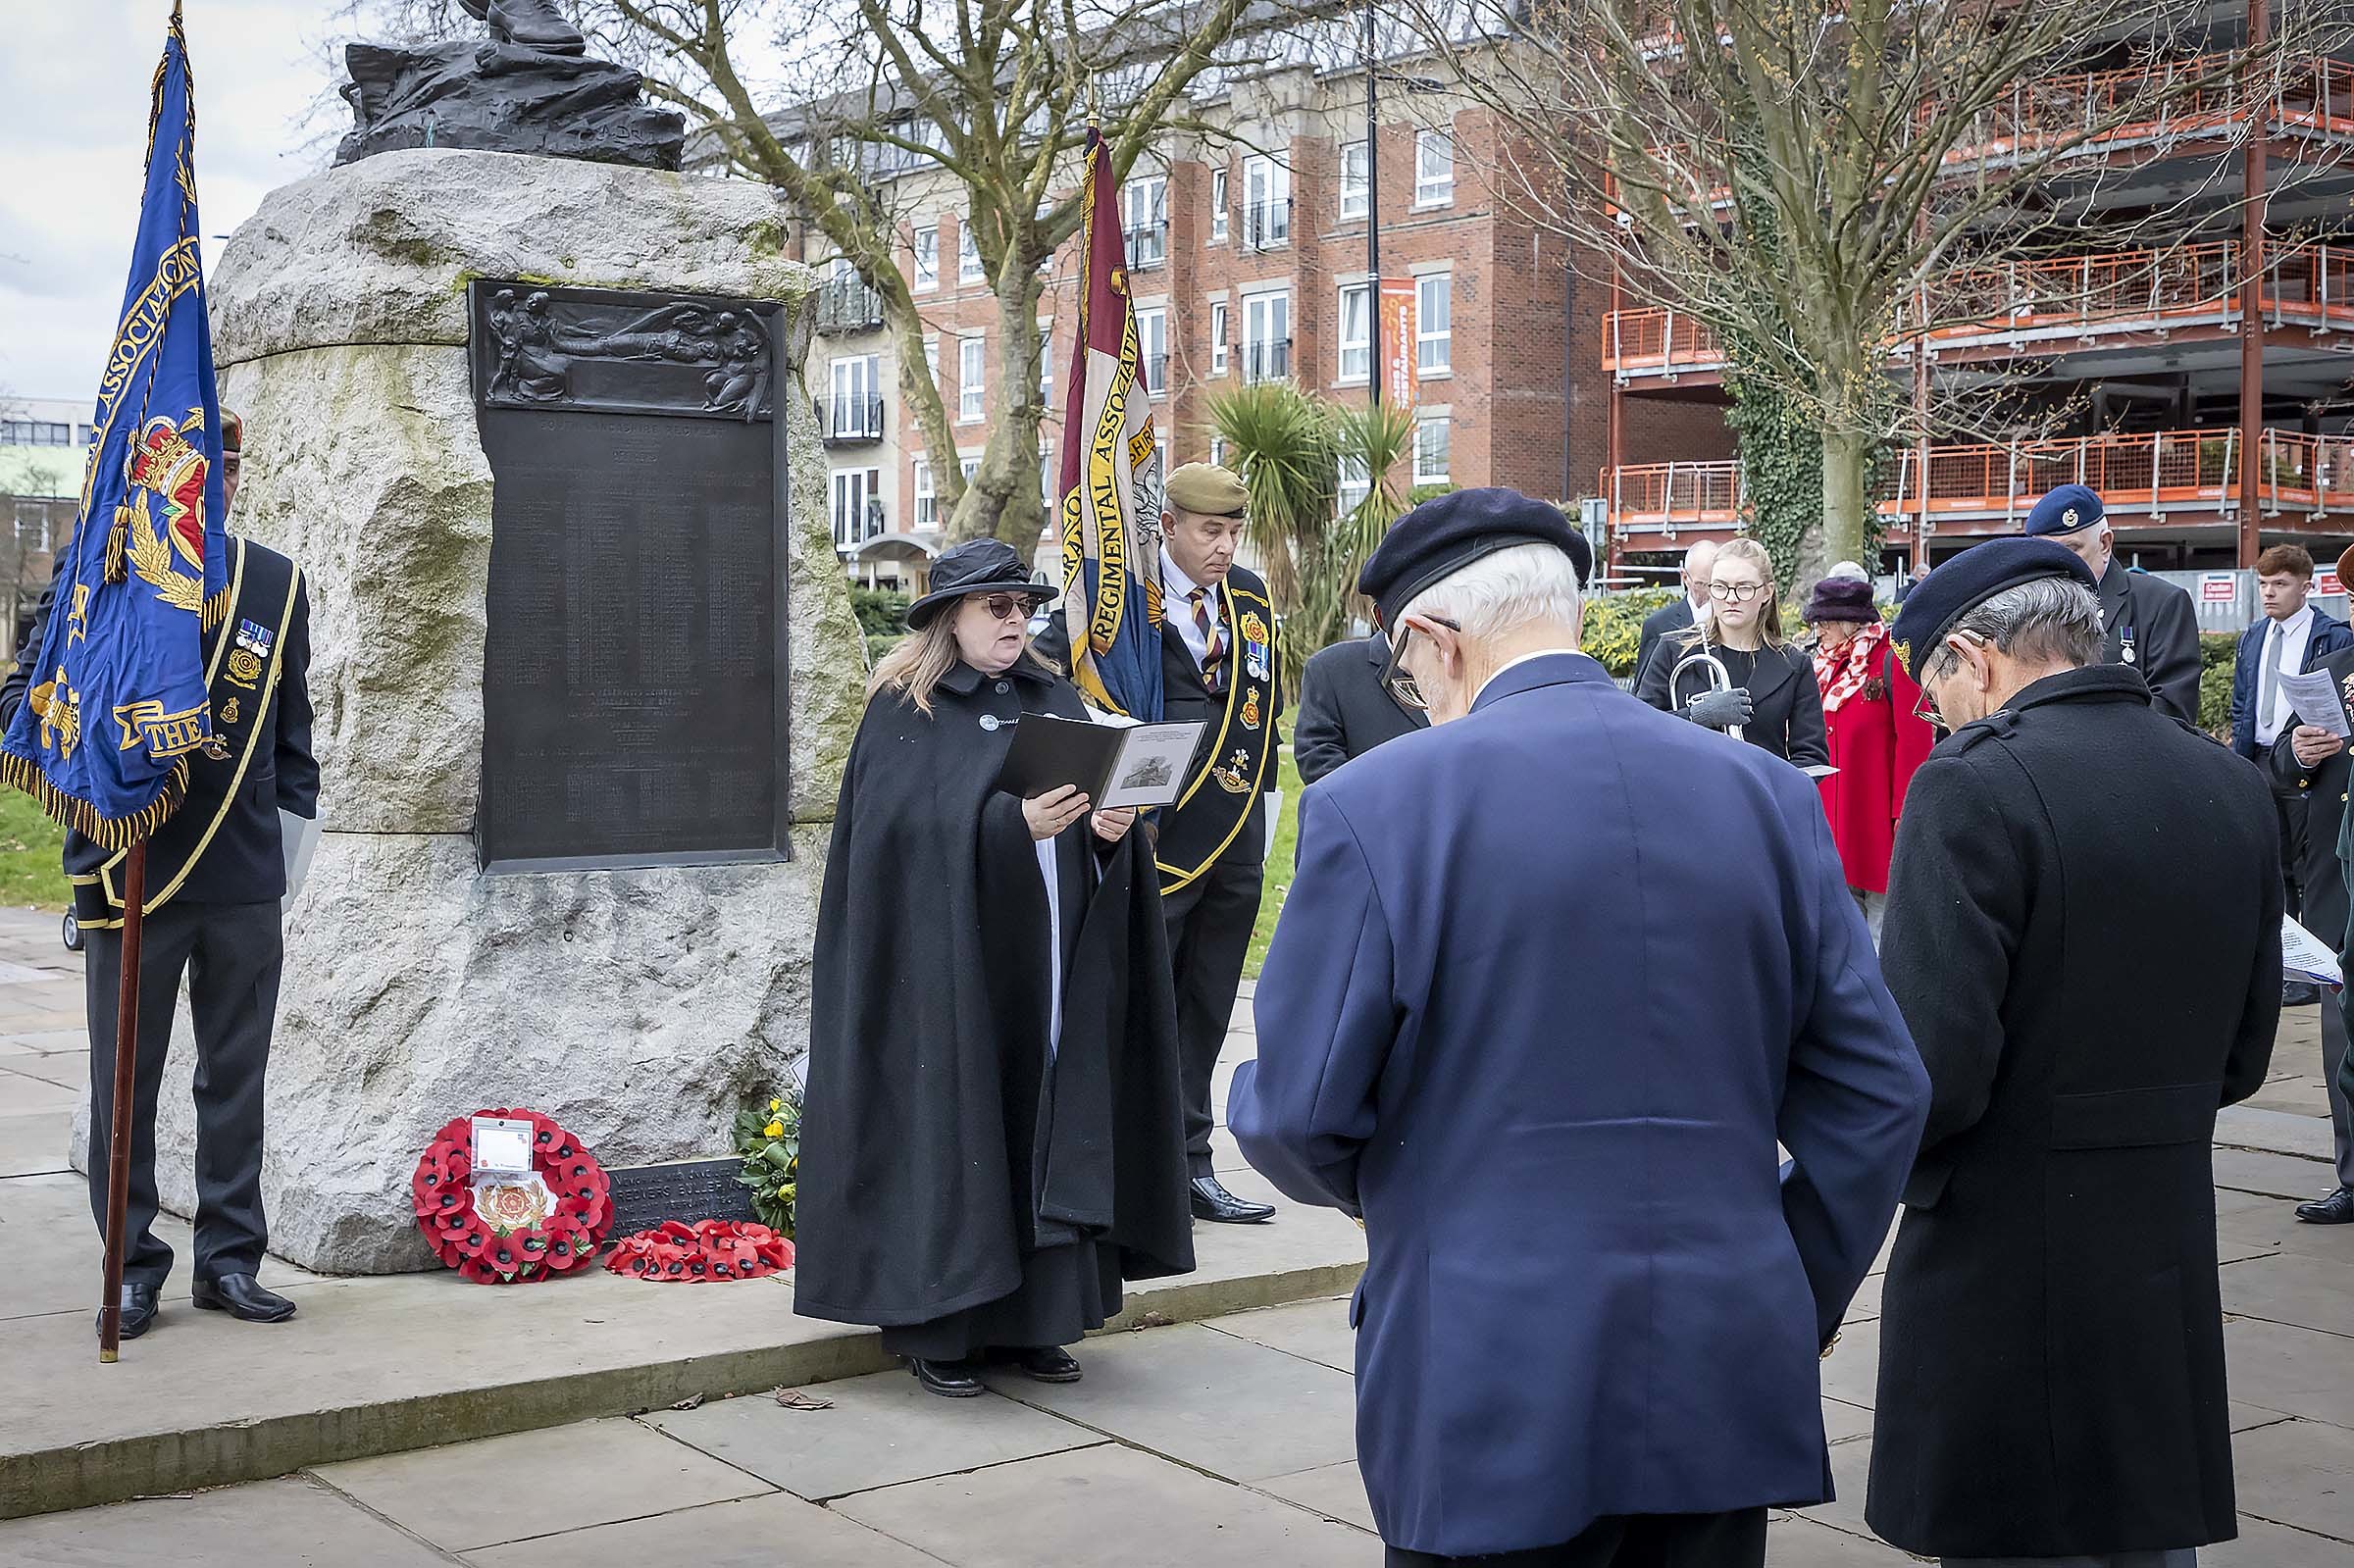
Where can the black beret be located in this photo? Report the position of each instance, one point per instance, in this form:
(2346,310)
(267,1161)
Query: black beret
(1448,533)
(1969,580)
(977,566)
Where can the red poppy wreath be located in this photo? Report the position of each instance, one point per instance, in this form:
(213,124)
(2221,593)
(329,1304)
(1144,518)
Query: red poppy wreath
(507,1233)
(707,1249)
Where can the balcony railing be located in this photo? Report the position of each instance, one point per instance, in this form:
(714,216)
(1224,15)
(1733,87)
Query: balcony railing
(1147,245)
(848,308)
(845,420)
(2142,479)
(2110,110)
(2052,301)
(1267,362)
(1267,224)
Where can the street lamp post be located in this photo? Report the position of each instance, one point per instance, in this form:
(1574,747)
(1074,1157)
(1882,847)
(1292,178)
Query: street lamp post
(1374,365)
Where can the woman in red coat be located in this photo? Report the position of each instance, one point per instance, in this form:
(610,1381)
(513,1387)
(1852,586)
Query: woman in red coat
(1878,739)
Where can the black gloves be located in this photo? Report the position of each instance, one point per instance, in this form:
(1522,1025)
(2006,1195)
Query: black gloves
(1722,710)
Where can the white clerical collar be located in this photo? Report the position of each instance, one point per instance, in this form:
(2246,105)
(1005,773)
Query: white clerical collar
(1511,664)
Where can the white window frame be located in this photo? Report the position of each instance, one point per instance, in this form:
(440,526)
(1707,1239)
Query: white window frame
(1434,351)
(968,254)
(932,360)
(1266,189)
(857,377)
(927,272)
(1353,486)
(1361,345)
(1260,318)
(1145,204)
(856,496)
(1045,363)
(924,513)
(1220,325)
(972,379)
(1153,327)
(1445,423)
(1356,186)
(1218,204)
(1217,450)
(968,464)
(1434,168)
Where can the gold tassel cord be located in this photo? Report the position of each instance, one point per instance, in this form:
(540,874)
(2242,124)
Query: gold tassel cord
(118,536)
(71,811)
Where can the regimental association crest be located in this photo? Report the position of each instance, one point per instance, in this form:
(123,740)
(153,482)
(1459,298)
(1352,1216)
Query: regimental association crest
(1904,655)
(1254,628)
(1232,778)
(1251,709)
(161,518)
(229,711)
(253,642)
(60,709)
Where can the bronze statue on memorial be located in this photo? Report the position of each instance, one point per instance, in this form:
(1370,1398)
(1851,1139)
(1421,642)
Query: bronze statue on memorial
(531,87)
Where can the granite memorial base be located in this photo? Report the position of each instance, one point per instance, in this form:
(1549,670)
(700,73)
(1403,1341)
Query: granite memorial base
(582,660)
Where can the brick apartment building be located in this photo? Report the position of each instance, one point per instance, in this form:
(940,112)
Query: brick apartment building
(1246,262)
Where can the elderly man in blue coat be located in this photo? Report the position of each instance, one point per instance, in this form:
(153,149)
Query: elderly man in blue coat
(1546,1055)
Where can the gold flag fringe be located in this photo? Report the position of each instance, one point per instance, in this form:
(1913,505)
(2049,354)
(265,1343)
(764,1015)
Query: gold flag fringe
(216,608)
(71,811)
(116,534)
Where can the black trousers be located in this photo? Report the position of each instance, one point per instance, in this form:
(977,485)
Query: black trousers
(231,954)
(1210,920)
(2289,808)
(1631,1541)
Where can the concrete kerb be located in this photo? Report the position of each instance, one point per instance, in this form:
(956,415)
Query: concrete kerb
(148,1464)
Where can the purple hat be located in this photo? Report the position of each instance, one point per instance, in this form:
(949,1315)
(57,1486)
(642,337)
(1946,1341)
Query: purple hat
(1841,599)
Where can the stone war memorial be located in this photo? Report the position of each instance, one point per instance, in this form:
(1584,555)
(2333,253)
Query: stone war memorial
(584,663)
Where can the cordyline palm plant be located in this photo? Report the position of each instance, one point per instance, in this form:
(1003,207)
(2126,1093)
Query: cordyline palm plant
(1291,448)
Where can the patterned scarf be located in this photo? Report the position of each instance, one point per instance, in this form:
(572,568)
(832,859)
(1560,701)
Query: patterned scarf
(1841,672)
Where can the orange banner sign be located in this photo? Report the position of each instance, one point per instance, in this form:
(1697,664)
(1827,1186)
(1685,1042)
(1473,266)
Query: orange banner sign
(1397,385)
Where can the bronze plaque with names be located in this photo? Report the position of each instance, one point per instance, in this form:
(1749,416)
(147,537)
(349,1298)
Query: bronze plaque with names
(633,683)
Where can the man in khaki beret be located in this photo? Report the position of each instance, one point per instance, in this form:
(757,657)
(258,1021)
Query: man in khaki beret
(1218,665)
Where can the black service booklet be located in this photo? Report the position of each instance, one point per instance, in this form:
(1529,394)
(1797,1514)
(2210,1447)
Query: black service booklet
(1114,764)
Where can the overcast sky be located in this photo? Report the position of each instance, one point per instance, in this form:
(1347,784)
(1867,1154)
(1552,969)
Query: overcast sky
(74,80)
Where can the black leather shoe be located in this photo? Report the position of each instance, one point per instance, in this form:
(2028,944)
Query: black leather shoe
(950,1379)
(1211,1201)
(1047,1364)
(139,1308)
(2337,1208)
(241,1295)
(2296,993)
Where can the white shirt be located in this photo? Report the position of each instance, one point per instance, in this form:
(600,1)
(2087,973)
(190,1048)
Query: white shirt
(1696,606)
(1177,607)
(1541,653)
(2293,635)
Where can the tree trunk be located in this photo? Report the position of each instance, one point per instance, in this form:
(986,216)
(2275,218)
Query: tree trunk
(1004,499)
(1846,508)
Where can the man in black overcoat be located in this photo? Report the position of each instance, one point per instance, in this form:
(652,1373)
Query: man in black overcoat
(2051,1338)
(1345,711)
(1699,562)
(2316,765)
(216,877)
(2146,622)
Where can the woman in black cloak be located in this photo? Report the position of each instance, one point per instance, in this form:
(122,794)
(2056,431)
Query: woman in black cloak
(991,1139)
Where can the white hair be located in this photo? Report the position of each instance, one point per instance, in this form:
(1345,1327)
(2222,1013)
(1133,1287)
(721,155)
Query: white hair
(1848,569)
(1502,592)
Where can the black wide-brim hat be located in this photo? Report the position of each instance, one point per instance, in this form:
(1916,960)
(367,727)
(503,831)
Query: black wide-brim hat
(977,566)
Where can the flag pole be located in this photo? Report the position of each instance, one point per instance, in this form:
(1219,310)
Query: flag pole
(126,1058)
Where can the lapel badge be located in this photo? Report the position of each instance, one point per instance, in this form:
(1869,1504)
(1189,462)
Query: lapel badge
(1231,777)
(1251,708)
(229,711)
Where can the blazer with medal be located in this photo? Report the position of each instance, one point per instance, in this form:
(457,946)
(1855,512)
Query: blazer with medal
(224,845)
(1222,814)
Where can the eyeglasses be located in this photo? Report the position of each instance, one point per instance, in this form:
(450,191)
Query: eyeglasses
(1926,710)
(1395,680)
(1007,606)
(1736,592)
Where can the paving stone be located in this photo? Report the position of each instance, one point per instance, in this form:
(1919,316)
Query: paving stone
(2262,1544)
(2299,1473)
(1316,1330)
(12,973)
(1852,1371)
(1233,1408)
(2273,1224)
(2280,1176)
(33,1144)
(1337,1492)
(1851,1467)
(2248,1417)
(68,1069)
(46,1231)
(1866,1307)
(1794,1540)
(473,1495)
(1296,1230)
(2292,1288)
(273,1524)
(2299,1372)
(771,1532)
(1100,1505)
(2276,1132)
(23,1094)
(1842,1421)
(883,1429)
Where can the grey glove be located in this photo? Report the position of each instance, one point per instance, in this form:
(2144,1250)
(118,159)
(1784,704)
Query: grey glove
(1722,710)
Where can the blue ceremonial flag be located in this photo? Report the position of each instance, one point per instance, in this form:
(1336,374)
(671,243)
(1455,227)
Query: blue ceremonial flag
(1110,498)
(118,695)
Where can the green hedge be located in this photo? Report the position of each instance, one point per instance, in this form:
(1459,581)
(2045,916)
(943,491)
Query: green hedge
(881,612)
(1613,629)
(2219,653)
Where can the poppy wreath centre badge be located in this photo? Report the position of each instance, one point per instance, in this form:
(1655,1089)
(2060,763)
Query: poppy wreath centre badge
(518,1225)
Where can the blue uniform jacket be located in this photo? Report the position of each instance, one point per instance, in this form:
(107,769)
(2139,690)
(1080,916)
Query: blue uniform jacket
(2328,636)
(1552,982)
